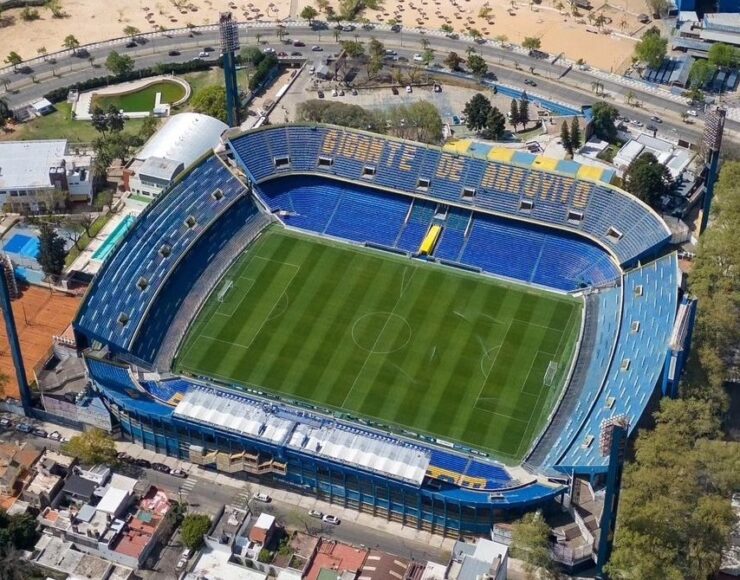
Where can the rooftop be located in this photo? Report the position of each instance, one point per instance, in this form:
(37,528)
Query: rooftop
(216,565)
(79,486)
(25,164)
(43,483)
(160,168)
(331,555)
(383,566)
(229,524)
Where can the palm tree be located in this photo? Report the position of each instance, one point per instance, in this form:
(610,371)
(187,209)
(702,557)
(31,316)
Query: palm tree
(41,51)
(258,37)
(14,59)
(424,42)
(337,35)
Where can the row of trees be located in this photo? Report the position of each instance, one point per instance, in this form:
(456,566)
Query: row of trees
(570,137)
(482,117)
(419,121)
(675,516)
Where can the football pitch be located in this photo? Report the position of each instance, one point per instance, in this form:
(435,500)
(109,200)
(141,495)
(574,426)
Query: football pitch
(401,343)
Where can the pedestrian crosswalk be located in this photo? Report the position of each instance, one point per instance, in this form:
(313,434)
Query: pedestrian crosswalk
(187,486)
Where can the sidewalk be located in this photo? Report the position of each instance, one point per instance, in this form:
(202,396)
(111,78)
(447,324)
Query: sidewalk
(303,502)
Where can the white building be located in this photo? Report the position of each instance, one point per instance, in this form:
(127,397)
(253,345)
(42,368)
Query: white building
(676,159)
(39,175)
(178,144)
(483,559)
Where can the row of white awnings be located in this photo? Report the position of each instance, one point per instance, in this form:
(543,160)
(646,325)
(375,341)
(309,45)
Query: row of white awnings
(346,445)
(354,447)
(233,413)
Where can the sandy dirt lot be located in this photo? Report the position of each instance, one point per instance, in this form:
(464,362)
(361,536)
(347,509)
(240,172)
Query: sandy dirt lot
(559,31)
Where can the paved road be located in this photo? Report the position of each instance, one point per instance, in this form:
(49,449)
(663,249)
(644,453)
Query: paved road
(573,88)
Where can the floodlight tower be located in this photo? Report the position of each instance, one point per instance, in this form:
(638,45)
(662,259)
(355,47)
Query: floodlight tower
(229,35)
(714,126)
(14,343)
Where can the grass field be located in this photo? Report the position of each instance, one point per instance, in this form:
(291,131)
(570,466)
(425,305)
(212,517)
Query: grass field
(406,344)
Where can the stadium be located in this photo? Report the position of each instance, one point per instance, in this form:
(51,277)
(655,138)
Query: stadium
(444,336)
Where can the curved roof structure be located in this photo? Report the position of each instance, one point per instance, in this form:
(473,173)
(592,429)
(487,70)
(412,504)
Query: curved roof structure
(184,138)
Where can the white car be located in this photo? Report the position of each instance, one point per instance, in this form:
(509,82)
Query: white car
(268,50)
(418,58)
(408,88)
(263,497)
(203,54)
(692,113)
(316,514)
(330,519)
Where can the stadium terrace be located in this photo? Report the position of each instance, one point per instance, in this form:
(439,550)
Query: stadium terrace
(440,337)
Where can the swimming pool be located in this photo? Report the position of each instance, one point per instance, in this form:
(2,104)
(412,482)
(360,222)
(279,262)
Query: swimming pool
(23,245)
(115,236)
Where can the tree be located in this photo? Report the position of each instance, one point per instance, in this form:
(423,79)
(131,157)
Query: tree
(17,532)
(477,65)
(659,7)
(41,51)
(309,13)
(476,112)
(115,119)
(674,517)
(604,116)
(51,251)
(723,56)
(193,528)
(99,120)
(353,48)
(453,61)
(55,6)
(702,71)
(13,59)
(447,28)
(514,113)
(211,100)
(495,124)
(652,48)
(565,138)
(427,56)
(575,133)
(131,31)
(418,121)
(530,542)
(251,55)
(648,179)
(148,128)
(119,64)
(92,447)
(71,43)
(524,112)
(531,43)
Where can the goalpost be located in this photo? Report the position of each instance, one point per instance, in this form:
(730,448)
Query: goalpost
(224,290)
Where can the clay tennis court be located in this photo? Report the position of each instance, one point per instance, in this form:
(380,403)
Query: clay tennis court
(39,315)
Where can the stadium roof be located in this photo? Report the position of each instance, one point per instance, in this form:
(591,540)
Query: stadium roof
(184,138)
(360,448)
(25,164)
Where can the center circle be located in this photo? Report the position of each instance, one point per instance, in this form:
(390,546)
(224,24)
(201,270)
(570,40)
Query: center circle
(381,332)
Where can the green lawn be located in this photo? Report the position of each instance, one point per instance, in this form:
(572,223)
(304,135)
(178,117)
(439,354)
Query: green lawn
(60,125)
(403,343)
(144,99)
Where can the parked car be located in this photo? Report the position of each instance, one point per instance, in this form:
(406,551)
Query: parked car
(409,89)
(652,128)
(320,94)
(348,28)
(207,49)
(263,497)
(55,436)
(161,467)
(396,28)
(330,519)
(296,53)
(394,90)
(178,473)
(123,456)
(354,92)
(282,54)
(316,48)
(181,563)
(23,428)
(268,50)
(437,88)
(40,433)
(315,514)
(418,58)
(143,463)
(368,26)
(4,422)
(202,54)
(530,82)
(299,43)
(174,53)
(656,119)
(130,44)
(692,113)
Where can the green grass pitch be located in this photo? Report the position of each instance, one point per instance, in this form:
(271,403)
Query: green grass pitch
(409,345)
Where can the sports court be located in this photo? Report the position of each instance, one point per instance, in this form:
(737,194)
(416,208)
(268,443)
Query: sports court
(39,314)
(402,343)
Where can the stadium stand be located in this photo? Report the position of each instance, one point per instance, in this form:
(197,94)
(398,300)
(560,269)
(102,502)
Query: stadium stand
(124,289)
(617,220)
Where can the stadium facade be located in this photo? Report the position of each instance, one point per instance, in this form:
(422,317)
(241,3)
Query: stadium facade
(512,216)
